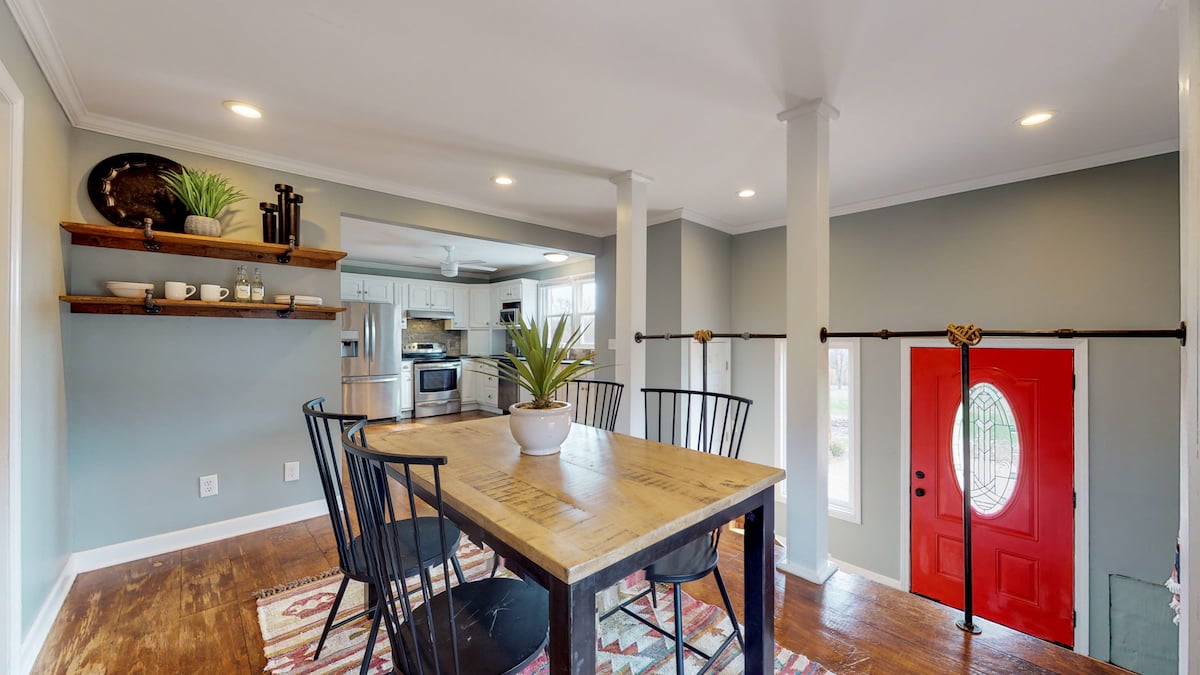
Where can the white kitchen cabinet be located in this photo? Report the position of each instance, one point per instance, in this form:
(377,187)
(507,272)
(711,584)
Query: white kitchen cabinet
(489,387)
(430,295)
(479,342)
(470,381)
(462,307)
(368,288)
(483,311)
(524,291)
(406,387)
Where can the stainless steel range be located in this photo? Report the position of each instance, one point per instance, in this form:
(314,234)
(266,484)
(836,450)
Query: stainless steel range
(437,379)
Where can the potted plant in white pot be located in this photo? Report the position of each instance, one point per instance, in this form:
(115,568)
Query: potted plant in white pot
(205,194)
(541,425)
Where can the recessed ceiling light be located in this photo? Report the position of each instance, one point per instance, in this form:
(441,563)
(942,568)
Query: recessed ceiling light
(555,257)
(1036,118)
(244,109)
(746,194)
(502,180)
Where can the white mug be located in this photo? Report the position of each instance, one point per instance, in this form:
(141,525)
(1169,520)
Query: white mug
(212,293)
(178,290)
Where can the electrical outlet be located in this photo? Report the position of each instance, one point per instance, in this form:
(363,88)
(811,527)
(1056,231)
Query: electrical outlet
(208,486)
(291,471)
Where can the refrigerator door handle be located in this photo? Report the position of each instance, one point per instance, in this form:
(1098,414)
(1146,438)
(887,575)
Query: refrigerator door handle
(370,331)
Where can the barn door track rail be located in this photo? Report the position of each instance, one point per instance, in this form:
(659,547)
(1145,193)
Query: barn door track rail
(964,337)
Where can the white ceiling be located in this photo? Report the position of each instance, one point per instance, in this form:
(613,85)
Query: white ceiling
(396,246)
(432,99)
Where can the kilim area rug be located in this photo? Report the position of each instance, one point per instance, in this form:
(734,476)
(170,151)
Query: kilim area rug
(291,617)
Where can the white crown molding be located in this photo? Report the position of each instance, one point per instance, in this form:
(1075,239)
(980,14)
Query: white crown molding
(760,225)
(171,139)
(410,269)
(631,177)
(817,105)
(1078,164)
(695,217)
(36,29)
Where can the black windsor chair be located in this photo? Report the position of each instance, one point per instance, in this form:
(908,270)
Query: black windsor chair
(596,401)
(707,422)
(490,626)
(351,555)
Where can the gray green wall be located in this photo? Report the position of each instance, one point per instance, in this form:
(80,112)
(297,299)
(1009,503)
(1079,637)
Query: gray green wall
(1090,249)
(688,287)
(45,497)
(159,401)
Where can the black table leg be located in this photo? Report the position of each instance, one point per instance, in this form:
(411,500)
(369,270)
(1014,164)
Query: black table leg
(572,628)
(760,586)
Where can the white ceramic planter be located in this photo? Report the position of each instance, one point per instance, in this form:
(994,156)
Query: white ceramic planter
(540,432)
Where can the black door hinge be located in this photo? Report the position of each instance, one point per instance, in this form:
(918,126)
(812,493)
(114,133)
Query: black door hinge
(1074,500)
(1073,617)
(1072,382)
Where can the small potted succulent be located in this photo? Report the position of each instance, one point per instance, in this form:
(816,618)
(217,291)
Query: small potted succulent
(541,425)
(205,194)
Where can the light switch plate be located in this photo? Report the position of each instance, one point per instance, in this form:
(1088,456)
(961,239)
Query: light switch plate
(612,344)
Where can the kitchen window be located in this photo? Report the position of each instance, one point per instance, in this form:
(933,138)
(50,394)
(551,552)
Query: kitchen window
(575,298)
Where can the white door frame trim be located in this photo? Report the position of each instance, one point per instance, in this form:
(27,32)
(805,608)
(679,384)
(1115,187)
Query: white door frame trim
(10,342)
(1080,349)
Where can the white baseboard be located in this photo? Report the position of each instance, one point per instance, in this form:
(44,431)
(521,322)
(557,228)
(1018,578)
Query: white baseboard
(808,574)
(31,645)
(867,574)
(106,556)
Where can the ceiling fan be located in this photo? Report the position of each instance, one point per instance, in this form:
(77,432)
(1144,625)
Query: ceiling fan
(450,266)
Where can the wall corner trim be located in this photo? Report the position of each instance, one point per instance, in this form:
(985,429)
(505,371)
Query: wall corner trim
(126,551)
(31,645)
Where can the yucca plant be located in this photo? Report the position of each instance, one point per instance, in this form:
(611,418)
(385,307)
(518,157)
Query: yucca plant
(203,193)
(545,351)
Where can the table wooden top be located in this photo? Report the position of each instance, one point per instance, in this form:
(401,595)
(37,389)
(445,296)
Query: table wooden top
(604,497)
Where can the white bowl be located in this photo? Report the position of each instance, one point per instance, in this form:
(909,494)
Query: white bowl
(128,289)
(129,292)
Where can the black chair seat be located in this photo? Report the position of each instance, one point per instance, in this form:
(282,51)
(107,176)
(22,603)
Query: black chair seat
(689,563)
(427,526)
(502,626)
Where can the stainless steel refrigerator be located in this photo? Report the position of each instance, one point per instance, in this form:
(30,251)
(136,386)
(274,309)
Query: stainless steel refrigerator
(371,358)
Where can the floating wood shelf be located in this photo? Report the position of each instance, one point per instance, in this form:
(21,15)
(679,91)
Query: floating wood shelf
(111,236)
(100,304)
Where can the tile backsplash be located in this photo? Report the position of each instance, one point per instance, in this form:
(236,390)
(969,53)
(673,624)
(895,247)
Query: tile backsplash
(433,330)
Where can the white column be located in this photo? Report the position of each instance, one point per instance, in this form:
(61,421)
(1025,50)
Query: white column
(807,358)
(631,297)
(1189,282)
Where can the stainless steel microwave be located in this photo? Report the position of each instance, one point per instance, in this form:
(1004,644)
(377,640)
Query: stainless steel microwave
(509,311)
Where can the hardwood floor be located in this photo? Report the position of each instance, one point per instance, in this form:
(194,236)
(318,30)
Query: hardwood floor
(191,611)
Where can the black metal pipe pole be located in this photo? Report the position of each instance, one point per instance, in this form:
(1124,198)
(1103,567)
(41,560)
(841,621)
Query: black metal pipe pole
(968,621)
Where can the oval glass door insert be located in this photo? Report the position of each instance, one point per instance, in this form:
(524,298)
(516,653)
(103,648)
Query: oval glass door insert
(995,449)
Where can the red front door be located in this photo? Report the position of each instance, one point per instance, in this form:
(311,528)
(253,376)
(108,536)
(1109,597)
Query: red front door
(1022,467)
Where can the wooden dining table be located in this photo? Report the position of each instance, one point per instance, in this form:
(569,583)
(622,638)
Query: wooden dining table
(605,507)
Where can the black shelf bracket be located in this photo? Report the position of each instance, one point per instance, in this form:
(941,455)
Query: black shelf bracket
(287,313)
(149,305)
(286,257)
(148,233)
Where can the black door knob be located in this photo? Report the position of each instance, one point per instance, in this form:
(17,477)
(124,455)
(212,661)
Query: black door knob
(920,492)
(920,474)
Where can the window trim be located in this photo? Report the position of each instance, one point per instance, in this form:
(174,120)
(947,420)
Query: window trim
(852,511)
(575,281)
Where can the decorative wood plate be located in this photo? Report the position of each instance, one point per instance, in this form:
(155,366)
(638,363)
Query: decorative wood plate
(126,188)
